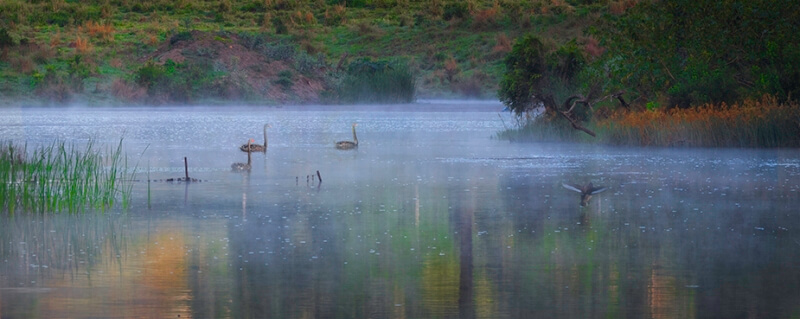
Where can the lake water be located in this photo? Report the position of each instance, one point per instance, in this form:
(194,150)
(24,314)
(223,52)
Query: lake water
(430,218)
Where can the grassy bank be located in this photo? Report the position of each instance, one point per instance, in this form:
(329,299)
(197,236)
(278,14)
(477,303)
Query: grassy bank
(273,51)
(61,178)
(752,123)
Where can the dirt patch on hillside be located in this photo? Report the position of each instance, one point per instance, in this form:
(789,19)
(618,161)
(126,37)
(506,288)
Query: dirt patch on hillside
(246,67)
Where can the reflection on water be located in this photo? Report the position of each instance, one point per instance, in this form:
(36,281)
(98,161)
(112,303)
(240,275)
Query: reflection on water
(429,218)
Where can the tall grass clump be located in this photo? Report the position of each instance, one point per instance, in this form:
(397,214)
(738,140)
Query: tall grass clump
(541,128)
(60,178)
(369,81)
(761,122)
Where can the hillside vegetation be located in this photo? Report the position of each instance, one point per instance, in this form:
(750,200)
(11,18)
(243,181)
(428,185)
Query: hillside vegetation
(271,51)
(682,72)
(564,68)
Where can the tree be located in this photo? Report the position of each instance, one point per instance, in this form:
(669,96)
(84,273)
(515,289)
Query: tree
(706,51)
(536,77)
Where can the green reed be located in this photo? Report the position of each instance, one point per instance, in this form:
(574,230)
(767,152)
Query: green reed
(62,178)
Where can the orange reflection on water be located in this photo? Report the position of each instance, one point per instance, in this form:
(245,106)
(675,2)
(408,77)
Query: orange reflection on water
(148,281)
(662,296)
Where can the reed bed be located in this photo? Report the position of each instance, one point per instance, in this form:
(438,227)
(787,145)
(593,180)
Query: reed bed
(61,178)
(542,129)
(763,122)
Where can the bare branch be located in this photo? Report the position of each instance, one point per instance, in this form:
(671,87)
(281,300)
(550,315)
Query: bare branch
(573,101)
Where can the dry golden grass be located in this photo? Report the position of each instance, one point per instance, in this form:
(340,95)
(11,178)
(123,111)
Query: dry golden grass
(96,30)
(752,123)
(82,45)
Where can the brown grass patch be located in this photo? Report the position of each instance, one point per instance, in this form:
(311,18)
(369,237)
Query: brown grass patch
(129,92)
(336,15)
(593,48)
(22,64)
(502,44)
(619,7)
(116,63)
(451,68)
(752,123)
(96,30)
(82,45)
(486,17)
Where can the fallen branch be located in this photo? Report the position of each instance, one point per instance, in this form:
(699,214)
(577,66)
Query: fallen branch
(575,124)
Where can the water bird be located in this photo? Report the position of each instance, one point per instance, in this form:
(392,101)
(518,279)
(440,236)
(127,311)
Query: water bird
(586,191)
(255,147)
(348,145)
(240,167)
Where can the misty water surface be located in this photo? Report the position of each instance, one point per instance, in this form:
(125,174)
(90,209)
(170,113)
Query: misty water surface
(430,218)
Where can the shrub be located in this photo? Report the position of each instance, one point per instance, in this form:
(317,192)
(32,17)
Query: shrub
(5,39)
(253,6)
(455,10)
(335,16)
(377,81)
(180,36)
(285,79)
(279,25)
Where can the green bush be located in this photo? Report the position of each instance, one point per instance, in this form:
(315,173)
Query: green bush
(187,82)
(180,36)
(525,80)
(705,51)
(455,10)
(253,6)
(368,81)
(279,25)
(285,79)
(5,39)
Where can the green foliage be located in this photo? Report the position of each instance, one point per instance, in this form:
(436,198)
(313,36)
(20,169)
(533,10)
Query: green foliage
(307,64)
(536,76)
(185,82)
(254,6)
(455,10)
(150,74)
(706,51)
(567,61)
(285,79)
(180,36)
(60,178)
(368,81)
(279,25)
(523,84)
(5,39)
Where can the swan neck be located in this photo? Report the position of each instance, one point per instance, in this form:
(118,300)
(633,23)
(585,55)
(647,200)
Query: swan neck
(355,138)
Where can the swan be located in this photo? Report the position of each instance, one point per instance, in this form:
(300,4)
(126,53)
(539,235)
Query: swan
(348,145)
(240,167)
(256,147)
(586,191)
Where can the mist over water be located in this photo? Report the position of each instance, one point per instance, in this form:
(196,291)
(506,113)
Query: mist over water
(430,217)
